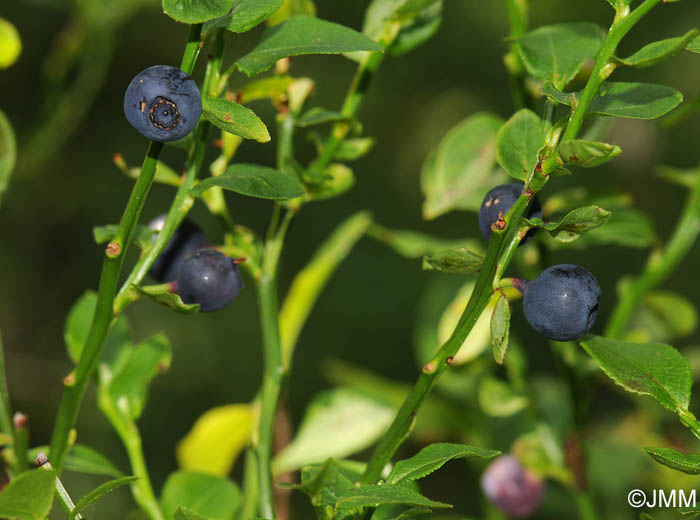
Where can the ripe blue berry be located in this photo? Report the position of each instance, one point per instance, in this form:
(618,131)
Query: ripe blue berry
(499,200)
(188,238)
(513,489)
(209,278)
(163,103)
(562,302)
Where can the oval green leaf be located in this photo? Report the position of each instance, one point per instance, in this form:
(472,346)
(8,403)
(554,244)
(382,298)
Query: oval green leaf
(500,329)
(254,181)
(28,496)
(460,260)
(557,52)
(635,100)
(518,143)
(244,16)
(694,45)
(432,458)
(303,35)
(587,154)
(657,52)
(209,496)
(235,119)
(162,295)
(196,11)
(459,172)
(674,459)
(652,369)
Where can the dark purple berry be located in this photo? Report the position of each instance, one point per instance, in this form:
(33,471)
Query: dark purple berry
(499,200)
(562,302)
(209,278)
(162,103)
(188,238)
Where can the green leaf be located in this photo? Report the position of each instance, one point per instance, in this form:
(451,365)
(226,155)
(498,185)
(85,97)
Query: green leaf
(212,497)
(303,35)
(337,179)
(694,45)
(143,235)
(635,100)
(657,52)
(518,143)
(234,119)
(652,369)
(557,52)
(254,181)
(373,496)
(632,100)
(245,15)
(28,496)
(162,295)
(688,178)
(123,384)
(10,47)
(319,116)
(498,399)
(587,154)
(565,98)
(674,459)
(78,325)
(577,222)
(460,260)
(500,329)
(83,459)
(354,148)
(626,227)
(460,169)
(8,152)
(336,424)
(413,244)
(196,11)
(432,458)
(419,28)
(99,492)
(228,427)
(273,88)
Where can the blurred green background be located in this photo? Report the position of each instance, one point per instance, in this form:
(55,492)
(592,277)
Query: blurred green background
(367,314)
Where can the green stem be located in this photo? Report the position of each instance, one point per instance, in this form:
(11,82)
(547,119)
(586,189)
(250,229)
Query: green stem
(586,509)
(76,382)
(21,442)
(64,499)
(661,263)
(274,373)
(518,21)
(356,94)
(128,432)
(601,71)
(250,487)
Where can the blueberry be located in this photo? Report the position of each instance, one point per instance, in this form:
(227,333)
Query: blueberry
(188,238)
(163,103)
(562,302)
(499,200)
(513,489)
(209,278)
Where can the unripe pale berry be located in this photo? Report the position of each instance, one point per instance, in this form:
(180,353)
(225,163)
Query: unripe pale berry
(512,488)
